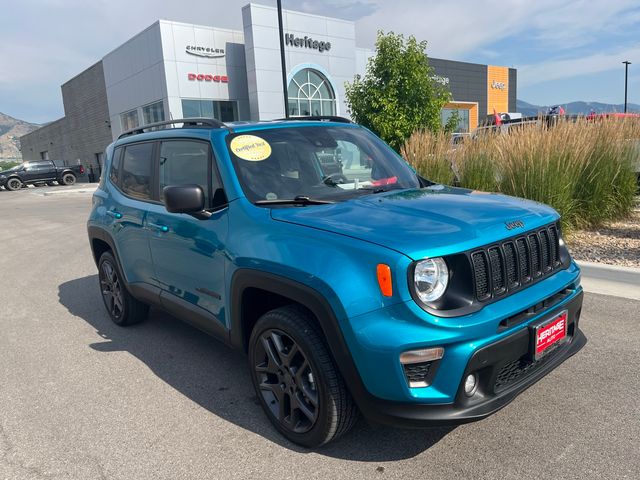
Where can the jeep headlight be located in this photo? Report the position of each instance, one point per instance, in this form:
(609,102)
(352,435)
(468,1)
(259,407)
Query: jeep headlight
(430,278)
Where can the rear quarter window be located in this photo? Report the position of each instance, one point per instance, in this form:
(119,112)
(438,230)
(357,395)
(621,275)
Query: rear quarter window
(135,177)
(114,171)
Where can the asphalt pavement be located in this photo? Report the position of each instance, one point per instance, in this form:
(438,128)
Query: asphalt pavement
(81,398)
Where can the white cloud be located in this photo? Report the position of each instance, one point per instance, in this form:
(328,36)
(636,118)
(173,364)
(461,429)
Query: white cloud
(454,29)
(45,42)
(575,67)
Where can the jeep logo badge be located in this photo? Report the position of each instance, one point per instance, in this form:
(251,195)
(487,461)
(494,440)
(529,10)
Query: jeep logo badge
(514,224)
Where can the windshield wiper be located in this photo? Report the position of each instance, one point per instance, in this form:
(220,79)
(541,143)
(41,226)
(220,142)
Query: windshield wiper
(374,189)
(299,200)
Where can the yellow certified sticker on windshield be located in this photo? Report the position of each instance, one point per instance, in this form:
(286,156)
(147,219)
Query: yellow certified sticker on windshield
(251,148)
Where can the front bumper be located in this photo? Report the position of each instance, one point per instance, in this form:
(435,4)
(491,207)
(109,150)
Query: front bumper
(504,371)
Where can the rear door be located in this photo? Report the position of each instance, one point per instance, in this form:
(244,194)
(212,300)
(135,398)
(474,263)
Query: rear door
(132,173)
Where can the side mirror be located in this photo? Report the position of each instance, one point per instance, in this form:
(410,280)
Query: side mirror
(187,199)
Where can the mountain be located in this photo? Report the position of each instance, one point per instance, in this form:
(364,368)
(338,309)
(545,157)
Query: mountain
(576,108)
(11,129)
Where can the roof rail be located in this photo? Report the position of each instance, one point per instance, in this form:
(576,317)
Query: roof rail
(187,123)
(320,118)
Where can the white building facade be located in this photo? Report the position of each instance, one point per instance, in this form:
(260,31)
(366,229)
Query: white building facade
(176,70)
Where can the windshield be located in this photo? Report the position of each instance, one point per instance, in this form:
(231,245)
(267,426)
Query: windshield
(13,169)
(325,163)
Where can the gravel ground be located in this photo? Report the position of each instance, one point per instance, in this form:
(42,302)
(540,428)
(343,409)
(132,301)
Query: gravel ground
(617,243)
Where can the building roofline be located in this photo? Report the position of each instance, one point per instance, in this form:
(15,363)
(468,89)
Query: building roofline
(78,74)
(467,63)
(49,124)
(199,25)
(157,22)
(284,10)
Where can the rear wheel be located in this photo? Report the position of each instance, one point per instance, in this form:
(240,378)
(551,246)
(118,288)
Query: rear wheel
(296,379)
(68,179)
(121,306)
(13,184)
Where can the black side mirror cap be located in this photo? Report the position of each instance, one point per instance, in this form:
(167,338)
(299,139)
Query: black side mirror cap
(187,199)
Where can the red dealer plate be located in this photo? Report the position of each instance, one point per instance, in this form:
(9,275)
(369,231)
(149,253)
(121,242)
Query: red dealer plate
(549,334)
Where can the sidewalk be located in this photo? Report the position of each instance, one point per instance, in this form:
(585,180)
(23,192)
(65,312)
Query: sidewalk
(610,280)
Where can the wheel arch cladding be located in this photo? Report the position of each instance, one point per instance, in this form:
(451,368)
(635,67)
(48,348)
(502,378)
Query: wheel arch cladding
(255,292)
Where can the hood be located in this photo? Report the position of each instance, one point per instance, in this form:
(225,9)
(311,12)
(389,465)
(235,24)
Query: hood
(425,222)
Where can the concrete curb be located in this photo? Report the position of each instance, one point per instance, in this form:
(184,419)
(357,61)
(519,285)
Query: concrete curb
(610,280)
(59,191)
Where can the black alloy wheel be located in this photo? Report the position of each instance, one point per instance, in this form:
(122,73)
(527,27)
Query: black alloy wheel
(111,290)
(122,307)
(68,179)
(13,184)
(296,379)
(286,381)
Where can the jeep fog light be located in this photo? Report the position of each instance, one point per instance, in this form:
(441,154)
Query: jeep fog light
(430,278)
(470,384)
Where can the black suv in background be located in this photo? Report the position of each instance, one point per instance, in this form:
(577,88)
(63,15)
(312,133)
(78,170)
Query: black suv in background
(39,173)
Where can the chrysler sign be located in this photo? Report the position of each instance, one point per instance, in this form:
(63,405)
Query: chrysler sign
(207,52)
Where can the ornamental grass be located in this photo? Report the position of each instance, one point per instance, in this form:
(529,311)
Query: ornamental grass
(584,169)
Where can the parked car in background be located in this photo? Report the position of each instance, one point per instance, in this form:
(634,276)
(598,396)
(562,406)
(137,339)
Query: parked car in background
(39,173)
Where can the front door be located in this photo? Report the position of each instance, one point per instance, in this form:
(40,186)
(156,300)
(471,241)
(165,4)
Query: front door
(35,171)
(188,253)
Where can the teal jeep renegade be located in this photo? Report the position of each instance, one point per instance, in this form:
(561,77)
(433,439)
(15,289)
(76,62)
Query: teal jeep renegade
(353,284)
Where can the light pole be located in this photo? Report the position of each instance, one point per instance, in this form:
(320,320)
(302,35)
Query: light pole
(626,77)
(283,63)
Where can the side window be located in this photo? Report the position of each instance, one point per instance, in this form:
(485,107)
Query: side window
(185,162)
(135,179)
(114,173)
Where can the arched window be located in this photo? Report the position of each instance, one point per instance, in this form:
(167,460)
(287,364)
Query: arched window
(310,93)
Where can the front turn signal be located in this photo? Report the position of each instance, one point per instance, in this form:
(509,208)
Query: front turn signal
(384,279)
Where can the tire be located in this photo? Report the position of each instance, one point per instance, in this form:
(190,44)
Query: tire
(121,306)
(68,179)
(13,184)
(296,379)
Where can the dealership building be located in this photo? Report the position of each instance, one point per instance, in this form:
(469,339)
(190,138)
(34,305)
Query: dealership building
(176,70)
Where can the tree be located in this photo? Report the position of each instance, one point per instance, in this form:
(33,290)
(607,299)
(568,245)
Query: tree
(398,94)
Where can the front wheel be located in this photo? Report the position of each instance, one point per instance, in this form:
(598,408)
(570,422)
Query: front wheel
(296,379)
(13,184)
(121,306)
(68,179)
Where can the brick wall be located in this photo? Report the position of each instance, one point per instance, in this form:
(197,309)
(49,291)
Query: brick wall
(83,132)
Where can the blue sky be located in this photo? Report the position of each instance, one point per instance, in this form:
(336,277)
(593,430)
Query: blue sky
(563,50)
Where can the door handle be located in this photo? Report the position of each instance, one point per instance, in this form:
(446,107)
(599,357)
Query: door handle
(114,214)
(162,228)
